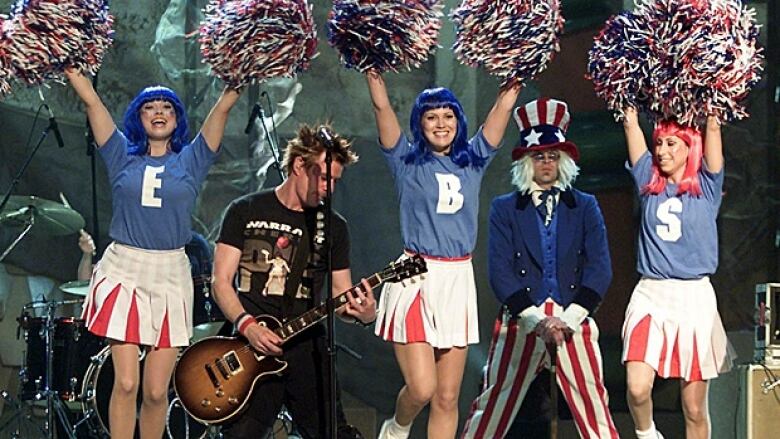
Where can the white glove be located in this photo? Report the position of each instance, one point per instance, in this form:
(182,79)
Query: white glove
(573,316)
(530,317)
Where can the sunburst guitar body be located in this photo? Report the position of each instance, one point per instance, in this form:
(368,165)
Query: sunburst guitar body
(215,376)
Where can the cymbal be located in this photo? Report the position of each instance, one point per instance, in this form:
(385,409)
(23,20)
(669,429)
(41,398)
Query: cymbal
(210,329)
(50,217)
(76,287)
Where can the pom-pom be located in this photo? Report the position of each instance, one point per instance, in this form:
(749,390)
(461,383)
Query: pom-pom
(6,72)
(682,60)
(248,41)
(384,35)
(619,63)
(46,36)
(512,39)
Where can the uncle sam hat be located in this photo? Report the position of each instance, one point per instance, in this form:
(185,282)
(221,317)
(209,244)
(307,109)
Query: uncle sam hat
(543,124)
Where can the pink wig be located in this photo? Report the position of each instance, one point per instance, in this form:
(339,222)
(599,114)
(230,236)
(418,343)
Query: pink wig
(690,181)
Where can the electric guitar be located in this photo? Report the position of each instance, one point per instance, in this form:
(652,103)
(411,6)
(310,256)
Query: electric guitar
(215,376)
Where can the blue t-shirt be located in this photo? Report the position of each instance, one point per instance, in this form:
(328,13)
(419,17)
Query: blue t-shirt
(153,197)
(439,200)
(678,238)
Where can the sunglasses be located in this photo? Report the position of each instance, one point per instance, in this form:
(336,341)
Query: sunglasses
(546,156)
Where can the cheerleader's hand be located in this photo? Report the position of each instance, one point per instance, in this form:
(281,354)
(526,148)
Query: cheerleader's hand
(630,117)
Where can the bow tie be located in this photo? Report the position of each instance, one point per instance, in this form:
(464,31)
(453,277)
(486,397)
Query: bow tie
(547,206)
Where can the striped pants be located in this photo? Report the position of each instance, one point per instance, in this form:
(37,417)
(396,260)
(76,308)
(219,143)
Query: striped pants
(514,360)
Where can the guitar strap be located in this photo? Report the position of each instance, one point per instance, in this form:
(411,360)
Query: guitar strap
(297,268)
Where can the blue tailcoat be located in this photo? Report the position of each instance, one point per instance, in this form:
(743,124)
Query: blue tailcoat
(515,255)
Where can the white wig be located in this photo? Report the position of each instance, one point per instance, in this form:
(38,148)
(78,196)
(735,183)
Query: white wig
(523,172)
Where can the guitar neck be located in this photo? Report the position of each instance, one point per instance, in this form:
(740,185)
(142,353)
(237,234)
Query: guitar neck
(295,326)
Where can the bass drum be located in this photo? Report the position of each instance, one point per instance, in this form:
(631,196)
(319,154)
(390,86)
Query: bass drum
(96,392)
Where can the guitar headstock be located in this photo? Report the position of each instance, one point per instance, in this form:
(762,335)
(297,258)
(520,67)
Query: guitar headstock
(403,269)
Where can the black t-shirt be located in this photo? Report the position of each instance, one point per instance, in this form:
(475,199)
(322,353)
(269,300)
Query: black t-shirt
(282,267)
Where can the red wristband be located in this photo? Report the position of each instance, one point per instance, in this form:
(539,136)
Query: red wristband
(244,323)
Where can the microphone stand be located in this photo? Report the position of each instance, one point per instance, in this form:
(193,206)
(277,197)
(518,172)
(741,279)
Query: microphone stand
(17,178)
(273,143)
(28,225)
(331,304)
(90,140)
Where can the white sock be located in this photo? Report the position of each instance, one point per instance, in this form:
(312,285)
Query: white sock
(650,433)
(393,430)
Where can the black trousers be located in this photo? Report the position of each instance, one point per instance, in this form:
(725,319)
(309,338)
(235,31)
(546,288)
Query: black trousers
(302,388)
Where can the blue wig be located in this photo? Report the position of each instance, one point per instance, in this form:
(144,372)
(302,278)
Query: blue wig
(460,152)
(138,143)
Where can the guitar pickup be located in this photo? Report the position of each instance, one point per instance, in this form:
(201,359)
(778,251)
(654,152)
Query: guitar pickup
(212,375)
(222,370)
(233,362)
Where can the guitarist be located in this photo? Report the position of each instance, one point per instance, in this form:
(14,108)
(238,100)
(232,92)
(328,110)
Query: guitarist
(276,235)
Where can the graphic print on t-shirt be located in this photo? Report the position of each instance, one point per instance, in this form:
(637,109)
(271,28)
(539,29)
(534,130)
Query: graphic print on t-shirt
(266,260)
(277,275)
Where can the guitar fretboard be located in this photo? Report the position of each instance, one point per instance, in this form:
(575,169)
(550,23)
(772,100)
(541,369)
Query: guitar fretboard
(317,314)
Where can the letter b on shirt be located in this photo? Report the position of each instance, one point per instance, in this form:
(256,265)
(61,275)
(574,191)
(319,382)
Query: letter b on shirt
(151,183)
(450,198)
(671,228)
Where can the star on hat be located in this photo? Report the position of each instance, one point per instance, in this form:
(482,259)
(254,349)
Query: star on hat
(533,138)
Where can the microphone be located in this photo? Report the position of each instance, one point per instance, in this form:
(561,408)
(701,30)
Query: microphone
(325,136)
(54,127)
(256,111)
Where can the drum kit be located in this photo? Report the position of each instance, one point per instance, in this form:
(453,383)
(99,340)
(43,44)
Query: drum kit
(66,369)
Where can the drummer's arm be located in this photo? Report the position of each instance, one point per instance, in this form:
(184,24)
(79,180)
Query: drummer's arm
(87,246)
(85,267)
(226,258)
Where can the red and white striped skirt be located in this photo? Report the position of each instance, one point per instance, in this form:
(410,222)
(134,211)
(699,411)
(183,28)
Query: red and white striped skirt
(673,325)
(440,309)
(141,296)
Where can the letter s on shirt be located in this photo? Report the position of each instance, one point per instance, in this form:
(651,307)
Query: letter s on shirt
(671,228)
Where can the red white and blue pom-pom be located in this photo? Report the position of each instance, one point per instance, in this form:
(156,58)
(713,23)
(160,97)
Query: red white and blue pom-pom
(726,64)
(249,41)
(619,63)
(384,35)
(678,59)
(6,73)
(46,36)
(512,39)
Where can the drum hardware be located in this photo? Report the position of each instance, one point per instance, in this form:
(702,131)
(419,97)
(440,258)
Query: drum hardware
(96,393)
(204,307)
(76,287)
(48,217)
(20,415)
(53,402)
(28,223)
(72,344)
(176,420)
(52,342)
